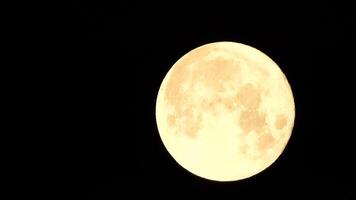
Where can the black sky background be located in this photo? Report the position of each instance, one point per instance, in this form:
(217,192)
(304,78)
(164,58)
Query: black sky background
(111,58)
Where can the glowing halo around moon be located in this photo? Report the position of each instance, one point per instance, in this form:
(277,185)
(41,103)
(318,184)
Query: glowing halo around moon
(225,111)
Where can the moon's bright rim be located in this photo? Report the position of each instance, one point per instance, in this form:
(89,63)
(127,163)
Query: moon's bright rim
(225,111)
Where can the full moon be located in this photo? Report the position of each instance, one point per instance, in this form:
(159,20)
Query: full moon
(225,111)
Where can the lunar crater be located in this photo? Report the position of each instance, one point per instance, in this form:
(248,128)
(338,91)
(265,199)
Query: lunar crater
(281,121)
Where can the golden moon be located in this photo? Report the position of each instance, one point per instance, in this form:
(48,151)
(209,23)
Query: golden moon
(225,111)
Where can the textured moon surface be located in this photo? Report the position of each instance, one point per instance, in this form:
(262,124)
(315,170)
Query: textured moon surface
(225,111)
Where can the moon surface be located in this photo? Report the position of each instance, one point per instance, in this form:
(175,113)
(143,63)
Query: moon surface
(225,111)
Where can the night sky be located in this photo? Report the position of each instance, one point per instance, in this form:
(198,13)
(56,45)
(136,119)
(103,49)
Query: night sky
(111,58)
